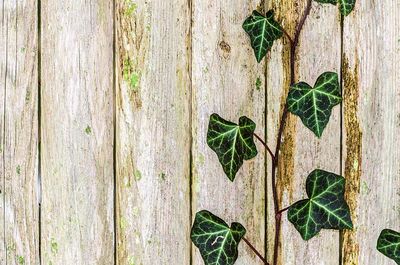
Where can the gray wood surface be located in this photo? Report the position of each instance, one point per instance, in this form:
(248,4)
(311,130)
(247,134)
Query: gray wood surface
(108,105)
(19,208)
(371,117)
(224,81)
(77,132)
(153,132)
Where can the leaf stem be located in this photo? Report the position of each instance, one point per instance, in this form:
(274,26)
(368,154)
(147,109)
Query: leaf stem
(266,147)
(278,213)
(283,210)
(287,36)
(255,251)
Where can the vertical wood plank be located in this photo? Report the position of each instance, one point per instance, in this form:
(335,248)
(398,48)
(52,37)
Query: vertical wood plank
(19,135)
(302,152)
(153,132)
(77,132)
(372,126)
(225,75)
(3,65)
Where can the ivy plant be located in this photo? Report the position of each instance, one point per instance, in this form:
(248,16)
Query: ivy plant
(314,104)
(324,208)
(345,6)
(389,244)
(217,242)
(234,142)
(263,31)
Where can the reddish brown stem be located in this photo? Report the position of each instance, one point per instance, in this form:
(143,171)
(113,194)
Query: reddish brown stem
(283,210)
(287,36)
(255,251)
(266,147)
(275,163)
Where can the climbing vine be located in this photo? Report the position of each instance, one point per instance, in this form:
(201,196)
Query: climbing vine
(233,143)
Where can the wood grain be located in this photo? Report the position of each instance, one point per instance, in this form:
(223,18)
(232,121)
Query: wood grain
(19,133)
(225,74)
(372,126)
(3,64)
(77,217)
(153,132)
(302,152)
(174,64)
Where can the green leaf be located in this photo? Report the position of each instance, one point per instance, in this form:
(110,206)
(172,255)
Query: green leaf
(217,242)
(333,2)
(263,31)
(324,208)
(389,244)
(345,6)
(233,143)
(314,105)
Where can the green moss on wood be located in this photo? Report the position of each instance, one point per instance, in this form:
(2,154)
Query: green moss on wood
(130,76)
(130,8)
(20,260)
(258,83)
(88,130)
(53,246)
(137,174)
(163,176)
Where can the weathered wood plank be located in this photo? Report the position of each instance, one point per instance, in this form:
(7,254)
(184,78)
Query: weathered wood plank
(19,133)
(302,152)
(77,132)
(153,132)
(371,126)
(2,137)
(3,65)
(225,75)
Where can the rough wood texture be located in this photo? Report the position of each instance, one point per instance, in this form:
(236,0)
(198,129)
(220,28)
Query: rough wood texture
(2,130)
(318,51)
(77,132)
(19,133)
(225,75)
(177,62)
(153,132)
(372,126)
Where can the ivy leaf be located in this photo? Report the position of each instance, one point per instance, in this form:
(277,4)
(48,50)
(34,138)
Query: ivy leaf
(233,143)
(324,208)
(217,242)
(314,105)
(389,244)
(333,2)
(345,6)
(263,31)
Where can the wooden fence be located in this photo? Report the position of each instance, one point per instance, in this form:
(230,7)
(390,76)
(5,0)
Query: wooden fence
(103,117)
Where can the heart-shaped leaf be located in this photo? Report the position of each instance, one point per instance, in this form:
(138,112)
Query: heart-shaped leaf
(389,244)
(233,143)
(345,6)
(324,208)
(217,242)
(314,105)
(263,31)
